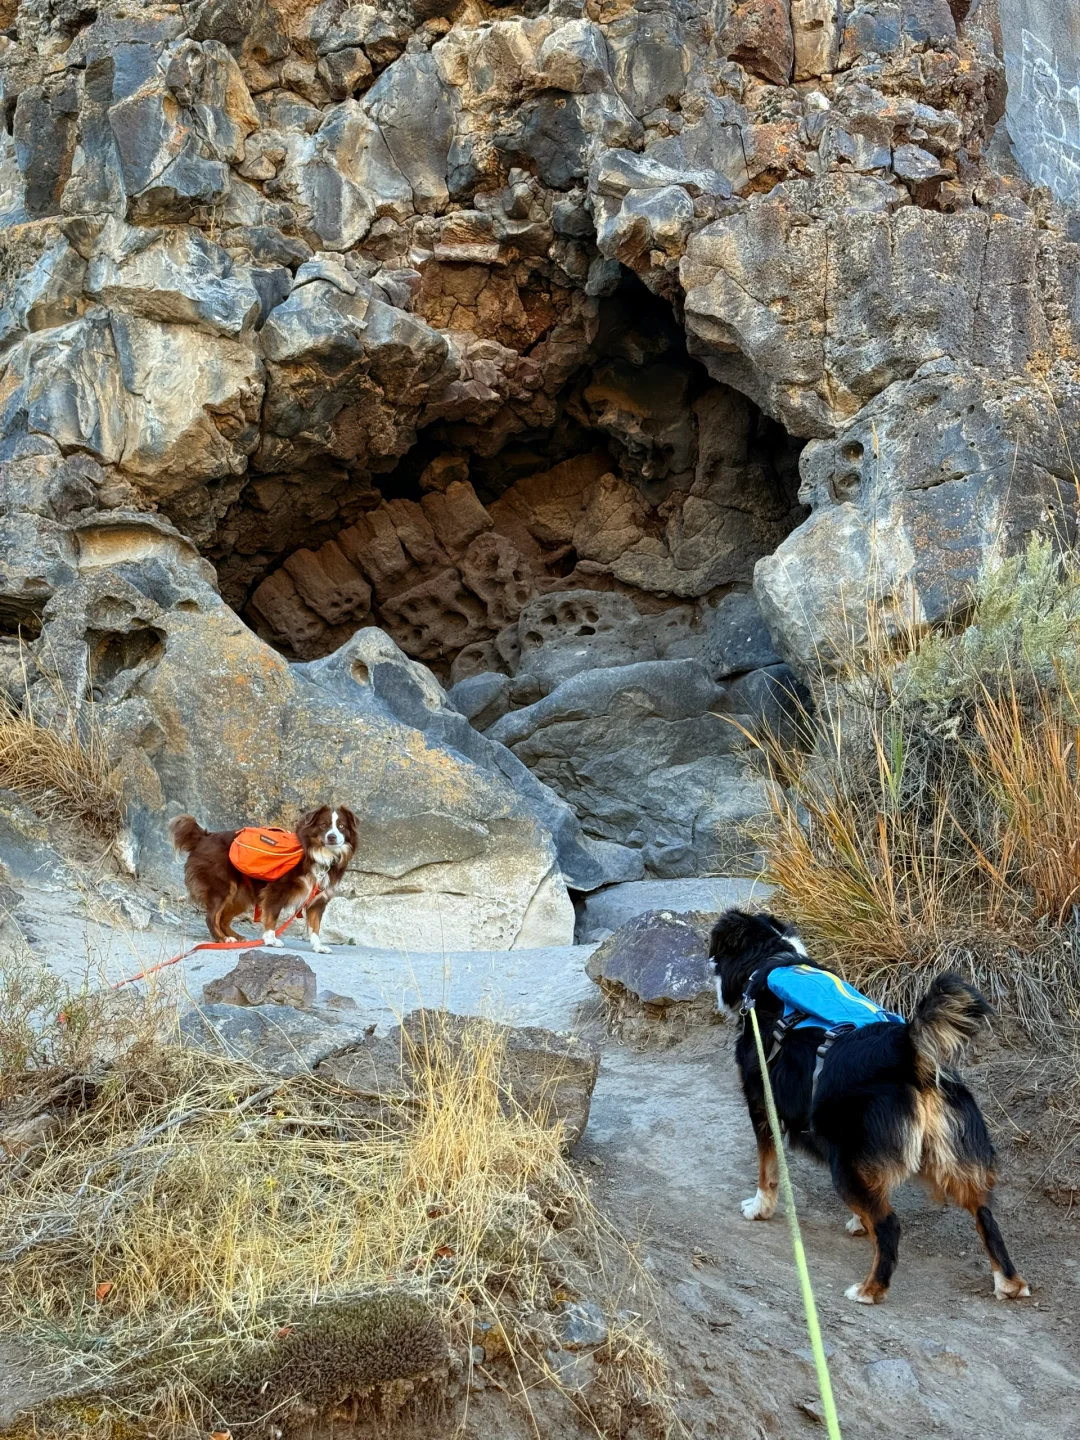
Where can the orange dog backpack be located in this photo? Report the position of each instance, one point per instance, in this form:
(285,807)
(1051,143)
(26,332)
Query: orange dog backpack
(265,854)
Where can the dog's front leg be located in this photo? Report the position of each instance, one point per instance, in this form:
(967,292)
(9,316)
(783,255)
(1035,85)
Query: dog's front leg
(762,1204)
(270,912)
(314,921)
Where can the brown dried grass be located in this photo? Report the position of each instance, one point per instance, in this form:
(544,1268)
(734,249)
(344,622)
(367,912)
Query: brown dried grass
(196,1204)
(63,770)
(937,822)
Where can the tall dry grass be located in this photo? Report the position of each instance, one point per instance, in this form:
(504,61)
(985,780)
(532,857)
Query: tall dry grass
(62,770)
(194,1208)
(937,821)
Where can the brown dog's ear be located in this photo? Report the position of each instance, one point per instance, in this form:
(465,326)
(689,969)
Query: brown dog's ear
(348,822)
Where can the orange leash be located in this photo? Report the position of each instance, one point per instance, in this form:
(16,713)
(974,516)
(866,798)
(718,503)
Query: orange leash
(216,945)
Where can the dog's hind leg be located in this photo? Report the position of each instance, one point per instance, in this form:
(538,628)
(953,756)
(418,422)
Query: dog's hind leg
(870,1204)
(231,910)
(762,1204)
(218,916)
(975,1198)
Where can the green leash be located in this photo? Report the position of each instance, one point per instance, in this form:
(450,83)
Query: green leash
(832,1424)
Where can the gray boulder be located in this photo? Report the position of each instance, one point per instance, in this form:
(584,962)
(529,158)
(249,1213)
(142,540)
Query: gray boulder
(813,312)
(450,853)
(932,479)
(371,671)
(412,108)
(173,275)
(655,969)
(610,909)
(640,754)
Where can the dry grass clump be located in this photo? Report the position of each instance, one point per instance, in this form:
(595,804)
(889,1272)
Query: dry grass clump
(938,820)
(63,770)
(197,1221)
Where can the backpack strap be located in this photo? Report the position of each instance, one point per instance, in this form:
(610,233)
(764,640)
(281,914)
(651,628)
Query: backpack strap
(822,1050)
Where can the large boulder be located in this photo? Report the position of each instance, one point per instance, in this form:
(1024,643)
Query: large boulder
(644,760)
(201,716)
(932,480)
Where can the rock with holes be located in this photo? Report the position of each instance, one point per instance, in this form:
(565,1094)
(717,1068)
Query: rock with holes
(819,296)
(562,634)
(452,853)
(909,501)
(645,761)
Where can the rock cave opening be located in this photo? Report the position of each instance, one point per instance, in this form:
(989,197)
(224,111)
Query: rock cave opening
(650,487)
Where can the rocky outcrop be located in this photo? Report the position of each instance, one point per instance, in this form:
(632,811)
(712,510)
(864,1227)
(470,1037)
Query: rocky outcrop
(253,259)
(199,715)
(644,759)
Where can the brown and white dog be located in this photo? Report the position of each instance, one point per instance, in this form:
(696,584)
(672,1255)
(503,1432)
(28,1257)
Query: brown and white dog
(328,837)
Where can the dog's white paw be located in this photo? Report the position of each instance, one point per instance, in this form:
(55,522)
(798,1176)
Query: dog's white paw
(1014,1289)
(759,1206)
(854,1292)
(855,1226)
(274,941)
(318,946)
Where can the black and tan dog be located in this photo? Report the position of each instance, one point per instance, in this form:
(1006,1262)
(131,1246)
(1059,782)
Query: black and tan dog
(887,1104)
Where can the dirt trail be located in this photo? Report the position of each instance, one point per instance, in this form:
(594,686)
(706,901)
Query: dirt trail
(671,1146)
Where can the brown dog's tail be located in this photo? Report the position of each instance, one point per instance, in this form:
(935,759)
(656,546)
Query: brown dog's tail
(946,1020)
(185,832)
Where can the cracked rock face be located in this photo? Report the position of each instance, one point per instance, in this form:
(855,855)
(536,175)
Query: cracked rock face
(409,320)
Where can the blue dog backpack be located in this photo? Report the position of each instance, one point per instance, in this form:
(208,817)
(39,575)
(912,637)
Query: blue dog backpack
(824,1000)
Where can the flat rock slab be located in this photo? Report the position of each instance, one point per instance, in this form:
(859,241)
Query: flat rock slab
(549,1076)
(274,1037)
(605,910)
(522,987)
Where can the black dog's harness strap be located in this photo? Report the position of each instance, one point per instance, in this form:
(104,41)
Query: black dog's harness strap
(822,1050)
(783,1026)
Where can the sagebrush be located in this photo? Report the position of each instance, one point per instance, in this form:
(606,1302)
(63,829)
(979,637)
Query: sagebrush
(937,821)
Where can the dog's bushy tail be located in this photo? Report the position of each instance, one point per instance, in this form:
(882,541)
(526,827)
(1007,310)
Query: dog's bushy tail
(185,833)
(946,1020)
